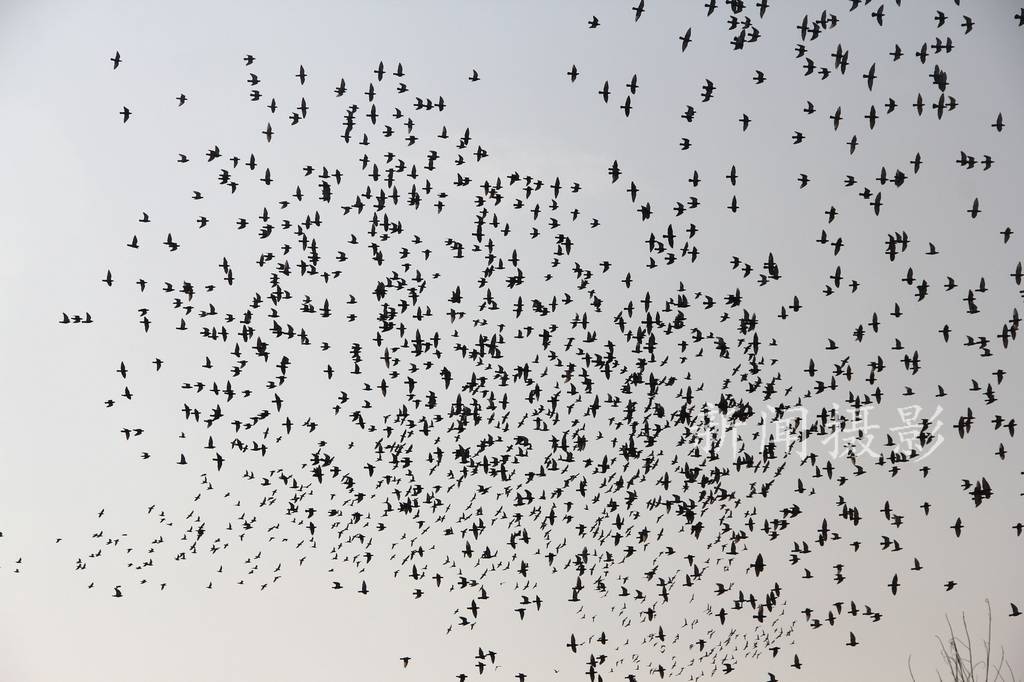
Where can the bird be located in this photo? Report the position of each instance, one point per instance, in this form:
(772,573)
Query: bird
(686,38)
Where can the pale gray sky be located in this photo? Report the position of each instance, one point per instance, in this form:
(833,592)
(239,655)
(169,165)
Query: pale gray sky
(76,179)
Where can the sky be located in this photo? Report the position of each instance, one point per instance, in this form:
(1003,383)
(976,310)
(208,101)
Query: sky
(76,180)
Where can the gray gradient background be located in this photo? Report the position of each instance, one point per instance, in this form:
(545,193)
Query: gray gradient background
(75,179)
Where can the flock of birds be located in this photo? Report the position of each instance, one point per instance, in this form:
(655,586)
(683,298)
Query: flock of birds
(493,416)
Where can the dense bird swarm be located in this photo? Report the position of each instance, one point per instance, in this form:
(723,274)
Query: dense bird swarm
(391,363)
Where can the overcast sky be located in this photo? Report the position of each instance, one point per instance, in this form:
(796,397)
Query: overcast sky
(76,180)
